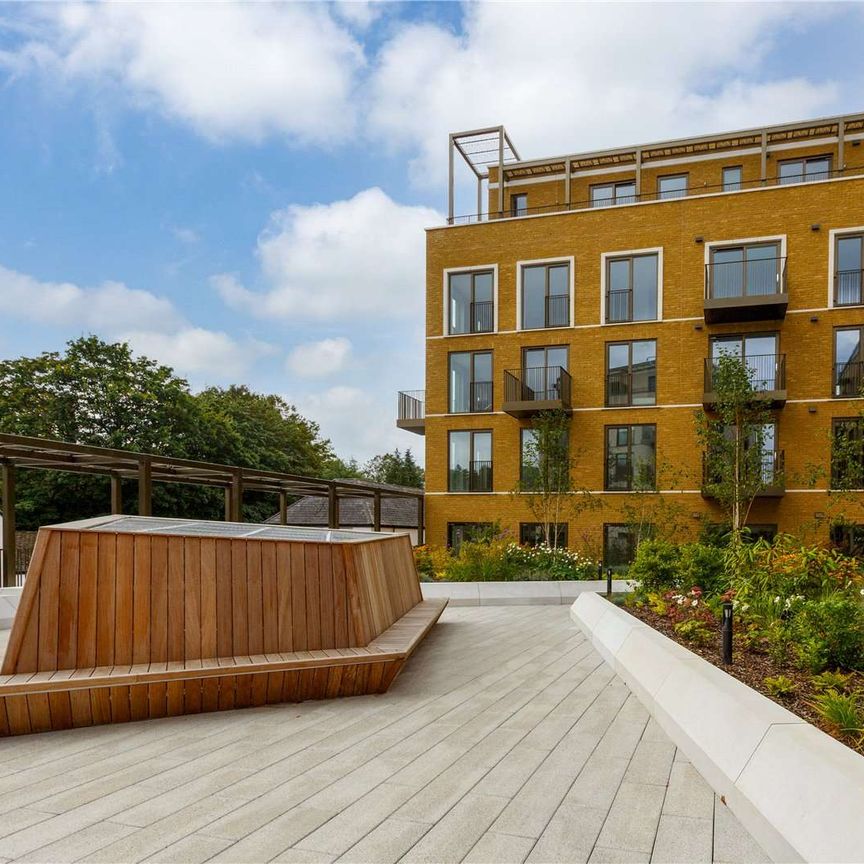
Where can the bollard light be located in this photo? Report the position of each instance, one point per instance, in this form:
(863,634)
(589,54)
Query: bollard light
(608,581)
(726,631)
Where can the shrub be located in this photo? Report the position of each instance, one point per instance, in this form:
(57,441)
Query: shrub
(657,566)
(830,681)
(548,563)
(829,633)
(703,566)
(843,711)
(780,686)
(695,630)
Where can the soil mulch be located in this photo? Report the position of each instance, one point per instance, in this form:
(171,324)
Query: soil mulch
(751,667)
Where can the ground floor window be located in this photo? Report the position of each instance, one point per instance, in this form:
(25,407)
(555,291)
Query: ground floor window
(849,539)
(619,546)
(459,531)
(531,534)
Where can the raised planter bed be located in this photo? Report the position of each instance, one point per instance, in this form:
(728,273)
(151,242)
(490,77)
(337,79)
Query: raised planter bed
(798,791)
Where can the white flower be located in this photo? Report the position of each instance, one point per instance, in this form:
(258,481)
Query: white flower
(745,607)
(694,602)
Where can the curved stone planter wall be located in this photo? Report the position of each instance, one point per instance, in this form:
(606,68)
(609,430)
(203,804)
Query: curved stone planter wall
(798,791)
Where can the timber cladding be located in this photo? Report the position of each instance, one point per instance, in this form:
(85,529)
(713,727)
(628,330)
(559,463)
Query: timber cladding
(115,626)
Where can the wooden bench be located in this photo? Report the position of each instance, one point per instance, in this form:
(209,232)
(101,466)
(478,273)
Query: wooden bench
(127,618)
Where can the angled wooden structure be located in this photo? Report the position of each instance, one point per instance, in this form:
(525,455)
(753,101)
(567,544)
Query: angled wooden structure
(127,618)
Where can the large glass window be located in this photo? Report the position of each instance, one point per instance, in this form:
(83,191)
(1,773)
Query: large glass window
(758,351)
(555,460)
(631,288)
(470,381)
(532,534)
(847,361)
(609,194)
(804,170)
(745,271)
(848,269)
(459,532)
(732,176)
(470,461)
(763,459)
(545,296)
(847,453)
(631,453)
(471,305)
(519,204)
(631,373)
(541,371)
(673,186)
(619,546)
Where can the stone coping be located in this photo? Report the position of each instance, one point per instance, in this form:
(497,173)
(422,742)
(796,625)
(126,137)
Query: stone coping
(516,593)
(798,791)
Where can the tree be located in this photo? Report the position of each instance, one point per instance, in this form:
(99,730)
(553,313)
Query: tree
(647,511)
(396,468)
(737,465)
(545,481)
(100,394)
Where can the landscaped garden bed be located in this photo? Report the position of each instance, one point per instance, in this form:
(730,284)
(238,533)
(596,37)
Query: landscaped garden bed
(799,620)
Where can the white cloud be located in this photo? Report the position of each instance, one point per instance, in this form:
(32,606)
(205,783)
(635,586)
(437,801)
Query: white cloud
(151,325)
(358,13)
(361,258)
(319,359)
(229,70)
(186,236)
(570,77)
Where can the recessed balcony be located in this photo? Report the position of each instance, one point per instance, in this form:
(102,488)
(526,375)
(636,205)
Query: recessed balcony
(767,376)
(541,388)
(749,290)
(411,412)
(771,467)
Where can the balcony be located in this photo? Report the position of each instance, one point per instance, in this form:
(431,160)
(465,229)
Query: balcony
(477,477)
(772,470)
(540,388)
(753,290)
(411,414)
(635,388)
(848,379)
(767,375)
(476,398)
(848,287)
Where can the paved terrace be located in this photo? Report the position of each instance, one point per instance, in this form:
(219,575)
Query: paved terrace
(505,739)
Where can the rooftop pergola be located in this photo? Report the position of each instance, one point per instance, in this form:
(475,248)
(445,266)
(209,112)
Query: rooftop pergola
(20,452)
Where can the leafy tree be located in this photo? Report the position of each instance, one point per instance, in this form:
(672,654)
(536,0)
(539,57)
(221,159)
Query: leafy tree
(651,513)
(335,468)
(733,440)
(396,468)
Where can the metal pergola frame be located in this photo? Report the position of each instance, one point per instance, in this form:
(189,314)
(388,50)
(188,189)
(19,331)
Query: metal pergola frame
(21,452)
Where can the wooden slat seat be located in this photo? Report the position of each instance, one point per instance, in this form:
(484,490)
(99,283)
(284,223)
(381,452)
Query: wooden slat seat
(174,624)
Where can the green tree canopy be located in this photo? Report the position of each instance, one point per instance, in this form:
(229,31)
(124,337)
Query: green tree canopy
(397,468)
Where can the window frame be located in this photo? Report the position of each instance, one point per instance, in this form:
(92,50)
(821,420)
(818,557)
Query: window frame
(739,184)
(472,380)
(835,236)
(629,402)
(522,432)
(671,196)
(515,209)
(471,433)
(452,525)
(835,363)
(803,176)
(606,258)
(445,298)
(560,528)
(835,423)
(613,201)
(633,540)
(629,427)
(720,245)
(548,263)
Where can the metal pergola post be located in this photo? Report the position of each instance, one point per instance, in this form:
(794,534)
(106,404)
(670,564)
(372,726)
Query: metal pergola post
(421,521)
(7,475)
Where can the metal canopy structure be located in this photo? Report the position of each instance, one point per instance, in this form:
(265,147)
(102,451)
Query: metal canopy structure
(480,148)
(20,452)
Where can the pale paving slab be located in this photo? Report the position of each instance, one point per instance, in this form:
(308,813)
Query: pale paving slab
(506,739)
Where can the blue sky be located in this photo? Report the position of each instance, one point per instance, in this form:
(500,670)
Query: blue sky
(241,191)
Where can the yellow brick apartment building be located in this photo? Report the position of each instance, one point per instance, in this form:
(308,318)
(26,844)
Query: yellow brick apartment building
(605,283)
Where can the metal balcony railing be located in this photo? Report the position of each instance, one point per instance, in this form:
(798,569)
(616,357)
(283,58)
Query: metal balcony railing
(483,316)
(767,371)
(558,310)
(477,396)
(770,465)
(847,287)
(538,384)
(848,378)
(759,277)
(626,387)
(411,405)
(477,477)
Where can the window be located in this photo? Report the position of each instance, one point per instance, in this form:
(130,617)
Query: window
(545,296)
(847,453)
(752,270)
(470,381)
(847,361)
(673,186)
(631,373)
(471,302)
(764,460)
(758,351)
(630,457)
(519,205)
(848,268)
(470,461)
(848,539)
(531,534)
(541,372)
(556,462)
(804,170)
(619,546)
(458,532)
(631,288)
(732,178)
(609,194)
